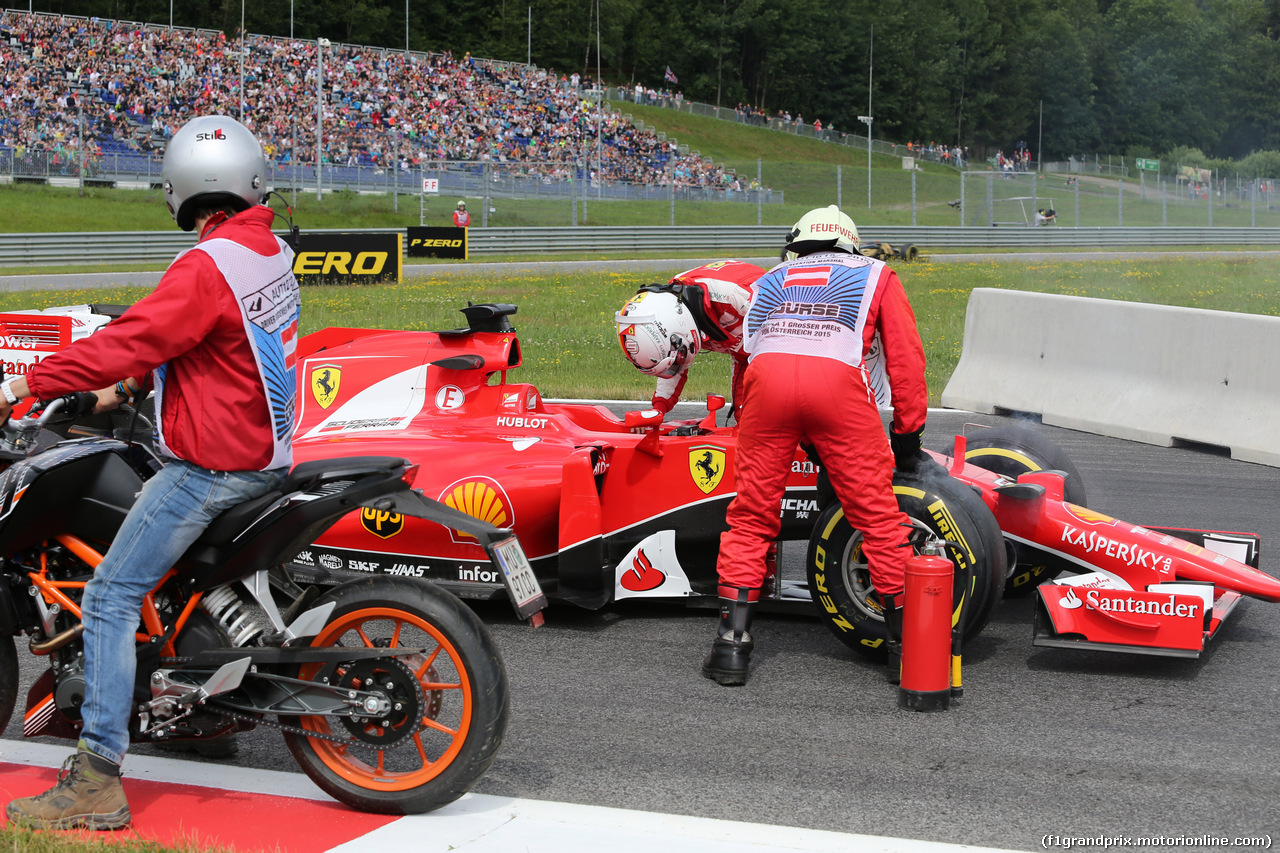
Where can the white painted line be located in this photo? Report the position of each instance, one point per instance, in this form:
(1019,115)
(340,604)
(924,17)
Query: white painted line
(480,823)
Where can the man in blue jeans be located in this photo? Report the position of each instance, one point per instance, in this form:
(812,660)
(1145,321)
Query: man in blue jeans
(217,341)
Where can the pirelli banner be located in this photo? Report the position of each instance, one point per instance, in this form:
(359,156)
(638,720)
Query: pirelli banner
(438,242)
(349,258)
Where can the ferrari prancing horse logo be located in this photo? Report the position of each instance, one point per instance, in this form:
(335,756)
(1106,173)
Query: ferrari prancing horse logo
(324,384)
(706,465)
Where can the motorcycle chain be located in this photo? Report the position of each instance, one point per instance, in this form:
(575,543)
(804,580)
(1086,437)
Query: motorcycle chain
(285,727)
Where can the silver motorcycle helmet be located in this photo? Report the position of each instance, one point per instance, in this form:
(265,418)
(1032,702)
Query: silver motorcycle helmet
(212,161)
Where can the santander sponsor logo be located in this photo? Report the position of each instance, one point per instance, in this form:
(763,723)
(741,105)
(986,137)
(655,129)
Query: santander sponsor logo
(1116,602)
(642,576)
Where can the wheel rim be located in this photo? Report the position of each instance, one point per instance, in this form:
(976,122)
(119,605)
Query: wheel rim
(441,692)
(857,579)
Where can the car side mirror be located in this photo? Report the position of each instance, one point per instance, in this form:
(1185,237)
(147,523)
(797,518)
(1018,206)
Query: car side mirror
(642,418)
(714,404)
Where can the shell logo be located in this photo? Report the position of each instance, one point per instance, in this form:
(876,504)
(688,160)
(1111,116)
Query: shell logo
(1088,516)
(479,497)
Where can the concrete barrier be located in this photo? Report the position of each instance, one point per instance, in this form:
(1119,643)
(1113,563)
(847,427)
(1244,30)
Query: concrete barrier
(1150,373)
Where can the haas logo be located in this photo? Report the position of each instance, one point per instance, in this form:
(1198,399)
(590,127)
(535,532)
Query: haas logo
(642,576)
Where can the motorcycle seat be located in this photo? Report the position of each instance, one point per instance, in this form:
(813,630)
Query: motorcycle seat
(234,520)
(307,474)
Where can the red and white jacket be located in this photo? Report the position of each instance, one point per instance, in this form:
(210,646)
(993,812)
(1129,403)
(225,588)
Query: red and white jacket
(726,289)
(222,351)
(849,308)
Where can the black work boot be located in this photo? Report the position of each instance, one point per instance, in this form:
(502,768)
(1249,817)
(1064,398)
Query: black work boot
(892,605)
(731,651)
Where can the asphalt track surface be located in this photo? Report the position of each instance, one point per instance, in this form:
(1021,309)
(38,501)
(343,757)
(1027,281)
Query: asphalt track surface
(610,710)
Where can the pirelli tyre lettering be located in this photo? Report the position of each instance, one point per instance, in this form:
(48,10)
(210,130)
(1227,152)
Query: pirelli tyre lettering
(840,581)
(1015,450)
(341,263)
(442,244)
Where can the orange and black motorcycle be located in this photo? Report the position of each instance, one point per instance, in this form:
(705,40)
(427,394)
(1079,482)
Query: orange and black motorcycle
(390,693)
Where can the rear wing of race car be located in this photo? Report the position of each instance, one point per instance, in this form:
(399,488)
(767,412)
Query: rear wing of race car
(29,337)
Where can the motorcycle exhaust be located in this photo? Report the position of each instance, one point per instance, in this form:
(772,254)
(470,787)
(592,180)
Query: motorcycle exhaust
(55,642)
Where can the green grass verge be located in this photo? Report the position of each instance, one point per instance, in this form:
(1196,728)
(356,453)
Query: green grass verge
(566,320)
(20,840)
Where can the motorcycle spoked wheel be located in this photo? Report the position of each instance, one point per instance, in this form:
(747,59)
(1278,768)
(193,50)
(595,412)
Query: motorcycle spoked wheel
(840,580)
(1012,451)
(451,700)
(8,680)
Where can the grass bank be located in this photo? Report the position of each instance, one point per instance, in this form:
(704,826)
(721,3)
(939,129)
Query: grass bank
(567,330)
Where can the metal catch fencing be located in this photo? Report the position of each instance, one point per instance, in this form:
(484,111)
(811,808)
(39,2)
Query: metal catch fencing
(134,247)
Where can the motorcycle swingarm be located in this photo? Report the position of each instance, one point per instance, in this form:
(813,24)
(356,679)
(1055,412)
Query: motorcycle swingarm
(264,693)
(273,656)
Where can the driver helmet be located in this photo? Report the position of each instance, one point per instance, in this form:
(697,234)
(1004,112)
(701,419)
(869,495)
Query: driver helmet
(212,161)
(823,229)
(658,333)
(462,205)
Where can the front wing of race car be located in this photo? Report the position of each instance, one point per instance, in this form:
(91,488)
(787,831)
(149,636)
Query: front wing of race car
(1145,590)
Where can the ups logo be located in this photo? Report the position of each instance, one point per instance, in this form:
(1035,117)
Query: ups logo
(381,523)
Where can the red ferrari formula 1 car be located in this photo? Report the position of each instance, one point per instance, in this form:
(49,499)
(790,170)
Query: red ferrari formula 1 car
(612,508)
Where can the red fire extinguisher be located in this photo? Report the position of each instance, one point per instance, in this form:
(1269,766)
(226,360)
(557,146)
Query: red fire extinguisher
(926,683)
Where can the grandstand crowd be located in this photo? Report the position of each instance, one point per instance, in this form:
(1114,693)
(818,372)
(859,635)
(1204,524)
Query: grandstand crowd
(136,84)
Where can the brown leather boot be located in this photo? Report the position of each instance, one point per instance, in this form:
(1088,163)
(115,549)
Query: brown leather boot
(88,794)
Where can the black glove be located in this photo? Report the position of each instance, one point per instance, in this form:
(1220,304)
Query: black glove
(906,450)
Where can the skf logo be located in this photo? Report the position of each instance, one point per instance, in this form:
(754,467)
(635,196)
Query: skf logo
(481,498)
(205,137)
(324,384)
(381,523)
(642,576)
(325,263)
(706,466)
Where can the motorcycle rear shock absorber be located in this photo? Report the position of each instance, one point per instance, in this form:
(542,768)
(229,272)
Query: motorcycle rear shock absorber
(225,606)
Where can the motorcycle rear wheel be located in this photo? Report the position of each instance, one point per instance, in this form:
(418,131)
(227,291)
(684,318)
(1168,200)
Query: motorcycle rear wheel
(451,700)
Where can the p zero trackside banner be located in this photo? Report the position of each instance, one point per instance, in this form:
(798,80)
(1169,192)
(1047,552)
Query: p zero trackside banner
(338,258)
(438,242)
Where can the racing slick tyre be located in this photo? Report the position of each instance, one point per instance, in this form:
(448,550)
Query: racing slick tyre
(1015,450)
(449,696)
(910,252)
(840,580)
(8,680)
